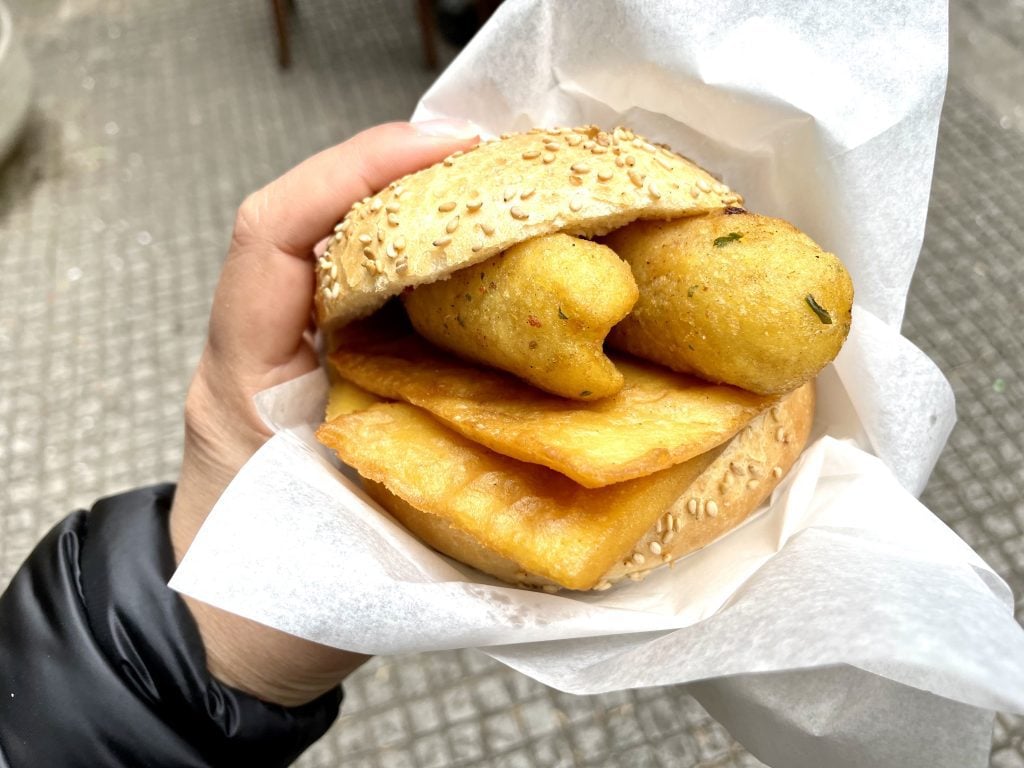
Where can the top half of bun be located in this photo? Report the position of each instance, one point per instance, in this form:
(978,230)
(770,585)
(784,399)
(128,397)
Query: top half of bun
(473,205)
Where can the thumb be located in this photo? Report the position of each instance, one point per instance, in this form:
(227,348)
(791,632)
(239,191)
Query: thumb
(265,296)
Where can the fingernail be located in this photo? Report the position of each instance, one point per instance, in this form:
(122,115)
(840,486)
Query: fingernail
(449,129)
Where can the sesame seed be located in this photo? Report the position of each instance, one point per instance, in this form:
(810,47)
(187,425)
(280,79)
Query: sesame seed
(598,150)
(753,483)
(604,175)
(446,207)
(510,192)
(780,435)
(532,154)
(390,251)
(580,168)
(393,207)
(474,205)
(376,205)
(392,220)
(703,186)
(755,470)
(777,472)
(365,239)
(720,188)
(333,271)
(518,213)
(636,178)
(400,243)
(441,242)
(370,266)
(401,265)
(655,548)
(638,559)
(667,538)
(630,161)
(340,226)
(653,191)
(380,234)
(691,506)
(637,575)
(694,192)
(660,525)
(577,202)
(711,508)
(664,163)
(602,139)
(448,162)
(478,244)
(487,229)
(399,191)
(549,157)
(452,225)
(526,193)
(552,146)
(335,290)
(601,587)
(368,253)
(774,412)
(550,588)
(574,140)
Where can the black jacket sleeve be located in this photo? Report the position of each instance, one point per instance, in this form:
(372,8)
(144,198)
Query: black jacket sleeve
(101,663)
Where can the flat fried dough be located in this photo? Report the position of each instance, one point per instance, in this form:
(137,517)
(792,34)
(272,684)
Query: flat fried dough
(547,524)
(659,419)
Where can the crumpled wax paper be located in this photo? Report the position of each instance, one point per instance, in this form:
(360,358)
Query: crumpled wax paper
(844,625)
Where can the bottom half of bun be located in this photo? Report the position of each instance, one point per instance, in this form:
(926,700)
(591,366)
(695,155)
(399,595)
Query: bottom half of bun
(742,475)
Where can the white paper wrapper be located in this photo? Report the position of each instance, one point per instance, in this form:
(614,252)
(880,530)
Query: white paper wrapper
(843,626)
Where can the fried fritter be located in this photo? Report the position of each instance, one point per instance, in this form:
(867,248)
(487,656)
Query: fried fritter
(540,310)
(734,297)
(658,419)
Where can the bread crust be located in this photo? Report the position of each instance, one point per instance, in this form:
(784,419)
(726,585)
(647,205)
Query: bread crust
(739,479)
(581,181)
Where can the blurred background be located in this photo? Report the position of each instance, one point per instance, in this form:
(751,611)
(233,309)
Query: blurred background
(150,122)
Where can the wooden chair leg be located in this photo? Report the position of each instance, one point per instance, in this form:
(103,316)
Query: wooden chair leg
(281,20)
(425,11)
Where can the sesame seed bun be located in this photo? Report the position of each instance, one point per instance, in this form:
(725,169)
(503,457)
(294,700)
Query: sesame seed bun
(476,204)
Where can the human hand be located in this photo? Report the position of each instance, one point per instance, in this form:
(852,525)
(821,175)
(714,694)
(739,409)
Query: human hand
(259,336)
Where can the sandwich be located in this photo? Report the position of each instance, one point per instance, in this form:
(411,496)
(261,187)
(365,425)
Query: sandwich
(567,357)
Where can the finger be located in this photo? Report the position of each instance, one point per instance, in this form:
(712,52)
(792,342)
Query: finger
(298,209)
(265,295)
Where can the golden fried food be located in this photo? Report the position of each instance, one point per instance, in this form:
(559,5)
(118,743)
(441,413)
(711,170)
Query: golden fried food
(544,522)
(345,397)
(540,310)
(734,297)
(658,419)
(528,525)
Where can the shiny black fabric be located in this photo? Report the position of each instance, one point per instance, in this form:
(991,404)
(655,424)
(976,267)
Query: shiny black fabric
(102,665)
